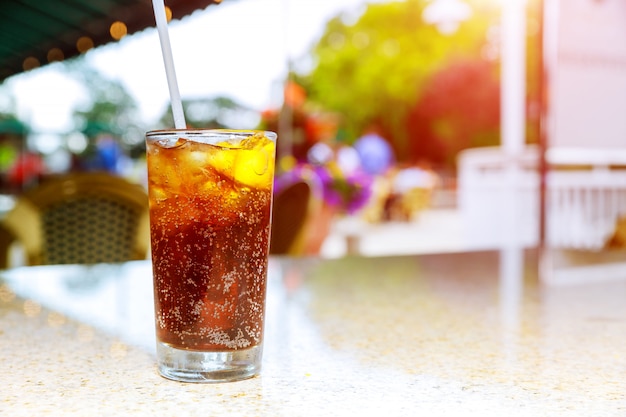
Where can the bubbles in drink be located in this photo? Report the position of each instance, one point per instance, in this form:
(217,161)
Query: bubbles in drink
(210,223)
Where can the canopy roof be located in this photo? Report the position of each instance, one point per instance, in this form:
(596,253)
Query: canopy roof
(36,32)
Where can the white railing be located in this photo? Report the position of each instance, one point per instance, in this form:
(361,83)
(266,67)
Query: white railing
(499,197)
(583,207)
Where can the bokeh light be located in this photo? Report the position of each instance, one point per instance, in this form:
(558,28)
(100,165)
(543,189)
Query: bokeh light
(55,54)
(84,43)
(56,319)
(118,30)
(30,63)
(31,308)
(6,295)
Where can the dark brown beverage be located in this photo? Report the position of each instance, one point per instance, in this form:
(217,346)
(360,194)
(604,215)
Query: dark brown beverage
(210,223)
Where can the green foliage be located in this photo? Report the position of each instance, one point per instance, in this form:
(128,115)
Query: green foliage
(459,109)
(110,108)
(10,123)
(213,113)
(373,71)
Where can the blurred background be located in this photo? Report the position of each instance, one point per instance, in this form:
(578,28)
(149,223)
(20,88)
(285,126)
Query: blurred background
(396,106)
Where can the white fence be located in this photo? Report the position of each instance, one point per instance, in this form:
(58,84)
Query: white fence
(498,197)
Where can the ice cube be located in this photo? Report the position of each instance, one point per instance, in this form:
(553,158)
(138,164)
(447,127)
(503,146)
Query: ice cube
(254,166)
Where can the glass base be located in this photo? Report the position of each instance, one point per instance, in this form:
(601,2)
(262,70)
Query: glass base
(195,366)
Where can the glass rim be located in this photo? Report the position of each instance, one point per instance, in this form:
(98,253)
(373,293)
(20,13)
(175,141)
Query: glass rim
(205,132)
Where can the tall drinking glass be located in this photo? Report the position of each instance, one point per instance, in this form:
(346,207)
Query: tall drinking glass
(210,209)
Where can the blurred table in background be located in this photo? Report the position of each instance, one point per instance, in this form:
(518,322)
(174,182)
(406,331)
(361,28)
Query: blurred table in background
(435,231)
(470,333)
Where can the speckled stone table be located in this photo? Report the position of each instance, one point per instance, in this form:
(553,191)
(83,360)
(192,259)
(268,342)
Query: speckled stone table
(434,335)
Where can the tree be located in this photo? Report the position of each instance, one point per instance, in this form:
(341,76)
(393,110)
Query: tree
(375,70)
(216,112)
(10,123)
(110,120)
(110,107)
(458,109)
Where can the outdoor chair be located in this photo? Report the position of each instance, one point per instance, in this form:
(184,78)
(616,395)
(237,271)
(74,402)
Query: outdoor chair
(292,211)
(84,218)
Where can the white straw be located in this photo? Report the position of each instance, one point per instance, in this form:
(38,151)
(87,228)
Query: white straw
(170,72)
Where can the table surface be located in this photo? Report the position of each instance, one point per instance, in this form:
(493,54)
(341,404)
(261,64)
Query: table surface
(453,334)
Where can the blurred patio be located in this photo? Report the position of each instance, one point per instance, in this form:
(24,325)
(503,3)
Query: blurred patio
(436,230)
(449,137)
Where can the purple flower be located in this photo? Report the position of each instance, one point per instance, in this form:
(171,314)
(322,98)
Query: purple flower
(348,193)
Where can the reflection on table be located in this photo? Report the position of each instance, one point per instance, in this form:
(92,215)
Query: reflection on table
(452,334)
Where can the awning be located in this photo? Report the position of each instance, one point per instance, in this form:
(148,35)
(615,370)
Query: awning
(36,32)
